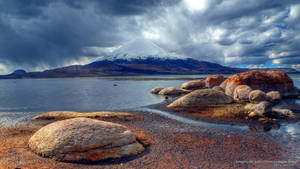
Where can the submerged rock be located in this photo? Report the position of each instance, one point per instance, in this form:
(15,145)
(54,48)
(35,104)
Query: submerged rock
(173,91)
(214,80)
(60,115)
(202,97)
(260,109)
(263,108)
(257,96)
(241,93)
(260,128)
(193,85)
(274,96)
(84,139)
(260,80)
(283,113)
(156,90)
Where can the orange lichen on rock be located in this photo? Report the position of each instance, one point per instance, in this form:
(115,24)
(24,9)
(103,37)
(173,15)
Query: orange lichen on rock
(214,80)
(256,77)
(259,79)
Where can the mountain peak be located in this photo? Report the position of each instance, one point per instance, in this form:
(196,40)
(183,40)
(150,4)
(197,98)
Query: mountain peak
(141,48)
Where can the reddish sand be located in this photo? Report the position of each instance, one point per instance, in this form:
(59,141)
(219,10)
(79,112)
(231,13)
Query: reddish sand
(173,145)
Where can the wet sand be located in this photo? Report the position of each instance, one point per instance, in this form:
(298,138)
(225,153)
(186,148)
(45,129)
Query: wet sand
(174,145)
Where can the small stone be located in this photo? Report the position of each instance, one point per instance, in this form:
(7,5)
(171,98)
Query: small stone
(193,85)
(253,115)
(263,108)
(257,96)
(156,90)
(173,91)
(274,96)
(241,93)
(214,80)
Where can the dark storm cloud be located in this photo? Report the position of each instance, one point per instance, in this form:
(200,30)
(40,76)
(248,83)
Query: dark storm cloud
(132,7)
(50,33)
(236,32)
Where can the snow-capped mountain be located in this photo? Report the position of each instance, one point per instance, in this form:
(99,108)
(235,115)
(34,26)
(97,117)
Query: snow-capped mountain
(141,48)
(138,57)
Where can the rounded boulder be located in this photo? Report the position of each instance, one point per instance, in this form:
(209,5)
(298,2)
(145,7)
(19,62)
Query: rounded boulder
(259,80)
(274,96)
(84,139)
(241,93)
(173,91)
(156,90)
(202,97)
(257,96)
(214,80)
(193,85)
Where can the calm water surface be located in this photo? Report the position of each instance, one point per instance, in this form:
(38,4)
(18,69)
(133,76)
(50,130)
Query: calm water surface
(21,99)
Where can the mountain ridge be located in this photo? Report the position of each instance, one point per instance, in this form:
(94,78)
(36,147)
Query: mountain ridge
(148,66)
(138,57)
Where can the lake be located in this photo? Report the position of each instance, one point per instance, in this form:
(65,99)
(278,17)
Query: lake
(21,99)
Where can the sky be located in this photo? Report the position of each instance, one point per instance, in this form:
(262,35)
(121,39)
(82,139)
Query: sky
(41,34)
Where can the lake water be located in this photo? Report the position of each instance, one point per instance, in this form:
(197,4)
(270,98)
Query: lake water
(23,98)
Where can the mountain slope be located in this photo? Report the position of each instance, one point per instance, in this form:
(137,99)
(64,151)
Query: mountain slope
(148,66)
(138,57)
(141,49)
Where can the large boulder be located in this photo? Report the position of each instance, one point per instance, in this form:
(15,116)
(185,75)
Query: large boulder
(274,96)
(84,139)
(193,85)
(202,97)
(257,96)
(261,80)
(173,91)
(214,80)
(241,93)
(156,90)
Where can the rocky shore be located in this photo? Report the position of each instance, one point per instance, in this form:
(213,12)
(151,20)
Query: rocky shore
(254,95)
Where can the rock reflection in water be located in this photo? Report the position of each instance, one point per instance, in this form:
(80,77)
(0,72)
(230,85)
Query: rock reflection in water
(258,128)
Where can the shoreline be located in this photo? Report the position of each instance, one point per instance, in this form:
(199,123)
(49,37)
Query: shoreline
(174,144)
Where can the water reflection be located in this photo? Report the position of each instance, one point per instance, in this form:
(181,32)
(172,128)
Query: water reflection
(258,128)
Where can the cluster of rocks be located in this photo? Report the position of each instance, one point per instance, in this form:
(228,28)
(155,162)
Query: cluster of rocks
(210,82)
(260,89)
(84,140)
